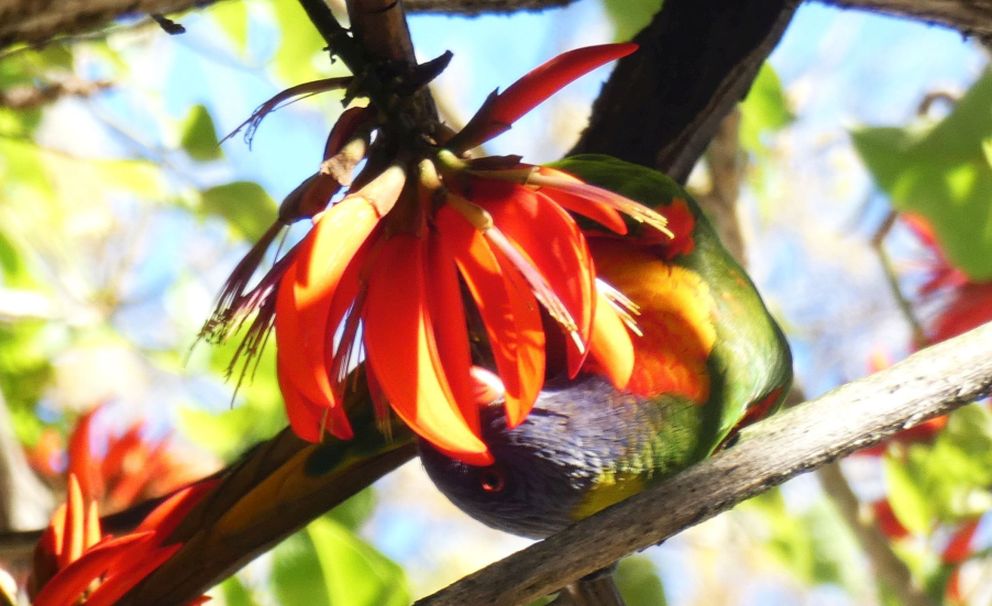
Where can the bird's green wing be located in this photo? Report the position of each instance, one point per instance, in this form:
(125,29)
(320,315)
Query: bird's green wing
(708,335)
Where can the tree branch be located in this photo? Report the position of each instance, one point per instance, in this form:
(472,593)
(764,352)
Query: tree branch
(970,17)
(888,568)
(478,7)
(680,84)
(33,22)
(929,383)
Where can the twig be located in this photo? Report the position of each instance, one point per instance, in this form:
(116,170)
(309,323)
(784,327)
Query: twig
(888,568)
(892,280)
(30,97)
(929,383)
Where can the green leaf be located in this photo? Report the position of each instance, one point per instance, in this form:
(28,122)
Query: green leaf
(233,19)
(199,137)
(638,581)
(765,109)
(630,16)
(330,566)
(236,593)
(911,502)
(257,415)
(353,512)
(296,574)
(300,46)
(814,543)
(247,207)
(943,174)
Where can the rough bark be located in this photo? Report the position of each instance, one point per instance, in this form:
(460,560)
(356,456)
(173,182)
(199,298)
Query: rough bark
(681,83)
(929,383)
(32,22)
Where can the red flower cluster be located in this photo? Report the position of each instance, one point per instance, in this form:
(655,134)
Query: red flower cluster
(74,563)
(429,250)
(116,470)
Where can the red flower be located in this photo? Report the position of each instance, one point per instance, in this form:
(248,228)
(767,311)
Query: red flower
(887,521)
(967,304)
(74,563)
(383,274)
(117,470)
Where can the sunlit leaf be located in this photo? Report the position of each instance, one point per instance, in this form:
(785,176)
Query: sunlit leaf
(299,48)
(296,574)
(199,137)
(812,543)
(328,565)
(639,583)
(236,593)
(233,18)
(256,414)
(764,110)
(942,173)
(247,207)
(630,16)
(910,501)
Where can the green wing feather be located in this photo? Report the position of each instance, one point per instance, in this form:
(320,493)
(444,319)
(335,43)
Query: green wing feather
(749,365)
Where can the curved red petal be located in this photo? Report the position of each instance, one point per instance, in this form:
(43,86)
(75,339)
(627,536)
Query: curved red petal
(304,323)
(122,580)
(402,351)
(500,110)
(66,587)
(75,524)
(304,417)
(164,519)
(600,212)
(557,249)
(959,547)
(93,532)
(345,128)
(447,314)
(81,461)
(509,312)
(545,80)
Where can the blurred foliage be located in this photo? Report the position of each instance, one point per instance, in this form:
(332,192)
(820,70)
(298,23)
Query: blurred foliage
(245,206)
(630,16)
(764,110)
(943,173)
(199,137)
(814,544)
(639,583)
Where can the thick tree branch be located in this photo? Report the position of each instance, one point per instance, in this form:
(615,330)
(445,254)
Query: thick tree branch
(30,21)
(931,382)
(970,17)
(697,61)
(478,7)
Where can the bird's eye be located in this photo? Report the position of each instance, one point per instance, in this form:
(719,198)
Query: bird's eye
(492,479)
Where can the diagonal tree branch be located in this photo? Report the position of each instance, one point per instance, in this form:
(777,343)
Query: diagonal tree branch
(931,382)
(33,22)
(680,84)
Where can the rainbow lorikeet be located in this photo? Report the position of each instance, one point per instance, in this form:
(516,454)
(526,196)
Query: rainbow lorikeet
(710,359)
